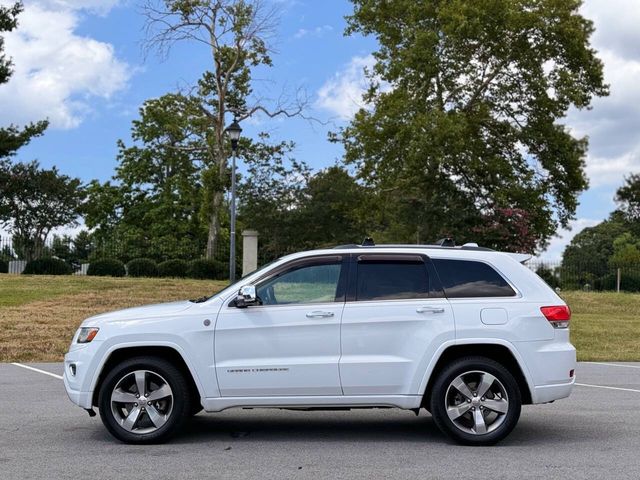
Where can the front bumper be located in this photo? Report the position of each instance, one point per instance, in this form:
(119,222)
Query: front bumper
(80,398)
(79,387)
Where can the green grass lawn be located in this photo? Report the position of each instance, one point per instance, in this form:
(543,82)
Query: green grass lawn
(39,314)
(605,326)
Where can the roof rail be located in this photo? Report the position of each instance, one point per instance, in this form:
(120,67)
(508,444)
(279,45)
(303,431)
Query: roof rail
(468,247)
(446,242)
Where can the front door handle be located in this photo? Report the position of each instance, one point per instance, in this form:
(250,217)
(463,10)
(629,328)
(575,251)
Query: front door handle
(430,310)
(319,314)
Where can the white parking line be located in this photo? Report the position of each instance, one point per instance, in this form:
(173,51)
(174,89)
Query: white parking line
(608,388)
(59,377)
(612,364)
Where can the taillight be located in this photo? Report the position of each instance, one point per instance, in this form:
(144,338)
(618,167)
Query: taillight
(558,315)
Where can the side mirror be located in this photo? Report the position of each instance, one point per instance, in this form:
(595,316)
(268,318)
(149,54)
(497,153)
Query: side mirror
(246,296)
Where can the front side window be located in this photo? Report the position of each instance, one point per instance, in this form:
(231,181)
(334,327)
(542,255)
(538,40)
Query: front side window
(391,279)
(469,279)
(308,283)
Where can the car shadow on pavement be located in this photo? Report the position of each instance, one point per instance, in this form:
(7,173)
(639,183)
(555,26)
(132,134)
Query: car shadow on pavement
(311,427)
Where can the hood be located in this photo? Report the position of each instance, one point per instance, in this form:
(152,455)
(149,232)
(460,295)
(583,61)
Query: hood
(136,313)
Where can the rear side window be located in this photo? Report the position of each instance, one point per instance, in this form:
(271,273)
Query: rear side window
(466,278)
(386,278)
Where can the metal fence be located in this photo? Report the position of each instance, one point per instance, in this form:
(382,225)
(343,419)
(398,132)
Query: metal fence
(123,249)
(82,250)
(588,276)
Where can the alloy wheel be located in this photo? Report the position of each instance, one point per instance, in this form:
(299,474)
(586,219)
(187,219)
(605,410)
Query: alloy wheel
(141,402)
(476,402)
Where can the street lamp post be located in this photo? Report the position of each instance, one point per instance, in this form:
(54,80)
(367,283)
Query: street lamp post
(234,130)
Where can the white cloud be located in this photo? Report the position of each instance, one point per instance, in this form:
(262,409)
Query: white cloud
(94,6)
(342,94)
(616,23)
(613,123)
(553,253)
(314,32)
(58,73)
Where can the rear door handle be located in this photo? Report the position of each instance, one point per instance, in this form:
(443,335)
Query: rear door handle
(430,310)
(319,314)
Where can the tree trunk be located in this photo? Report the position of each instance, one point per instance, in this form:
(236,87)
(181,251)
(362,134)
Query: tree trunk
(214,225)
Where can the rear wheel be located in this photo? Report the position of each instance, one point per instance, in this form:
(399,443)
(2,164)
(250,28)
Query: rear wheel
(144,400)
(476,401)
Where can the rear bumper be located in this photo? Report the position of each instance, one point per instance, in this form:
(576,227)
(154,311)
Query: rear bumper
(549,393)
(550,365)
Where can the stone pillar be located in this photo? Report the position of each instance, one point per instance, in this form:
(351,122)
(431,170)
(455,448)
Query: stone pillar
(249,251)
(17,266)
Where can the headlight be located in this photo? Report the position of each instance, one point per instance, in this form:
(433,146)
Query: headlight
(86,334)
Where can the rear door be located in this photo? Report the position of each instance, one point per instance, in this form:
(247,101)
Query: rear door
(394,320)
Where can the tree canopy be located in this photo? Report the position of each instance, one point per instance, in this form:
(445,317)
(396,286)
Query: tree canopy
(153,206)
(465,102)
(12,137)
(237,34)
(628,199)
(613,243)
(34,201)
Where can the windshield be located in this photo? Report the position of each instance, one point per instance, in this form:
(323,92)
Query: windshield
(233,285)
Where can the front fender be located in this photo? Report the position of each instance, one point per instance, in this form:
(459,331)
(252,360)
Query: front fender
(196,350)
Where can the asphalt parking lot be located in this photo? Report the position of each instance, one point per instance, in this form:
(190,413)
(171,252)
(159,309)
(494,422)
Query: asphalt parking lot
(593,434)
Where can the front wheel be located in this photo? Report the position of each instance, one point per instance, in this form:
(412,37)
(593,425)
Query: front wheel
(476,401)
(144,400)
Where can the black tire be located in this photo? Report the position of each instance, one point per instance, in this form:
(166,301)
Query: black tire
(181,399)
(439,399)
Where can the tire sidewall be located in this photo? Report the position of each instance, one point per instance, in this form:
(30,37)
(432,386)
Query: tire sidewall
(438,400)
(181,399)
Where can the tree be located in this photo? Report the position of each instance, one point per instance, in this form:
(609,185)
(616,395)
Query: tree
(464,105)
(626,251)
(153,208)
(271,195)
(13,137)
(628,198)
(509,229)
(332,209)
(82,245)
(591,249)
(237,34)
(33,201)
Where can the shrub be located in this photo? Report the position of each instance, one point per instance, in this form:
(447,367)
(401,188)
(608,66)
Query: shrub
(629,282)
(4,266)
(106,267)
(208,269)
(546,274)
(173,268)
(142,267)
(47,266)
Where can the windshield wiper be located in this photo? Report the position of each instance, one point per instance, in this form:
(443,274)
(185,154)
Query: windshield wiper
(200,300)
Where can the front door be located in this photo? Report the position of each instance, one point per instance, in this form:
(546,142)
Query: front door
(290,343)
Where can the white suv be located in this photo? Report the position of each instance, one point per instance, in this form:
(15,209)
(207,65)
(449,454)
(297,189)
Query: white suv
(467,333)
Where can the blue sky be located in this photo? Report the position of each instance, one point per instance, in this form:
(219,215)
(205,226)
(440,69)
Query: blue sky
(80,63)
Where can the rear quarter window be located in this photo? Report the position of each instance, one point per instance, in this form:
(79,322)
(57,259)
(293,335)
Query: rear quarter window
(471,279)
